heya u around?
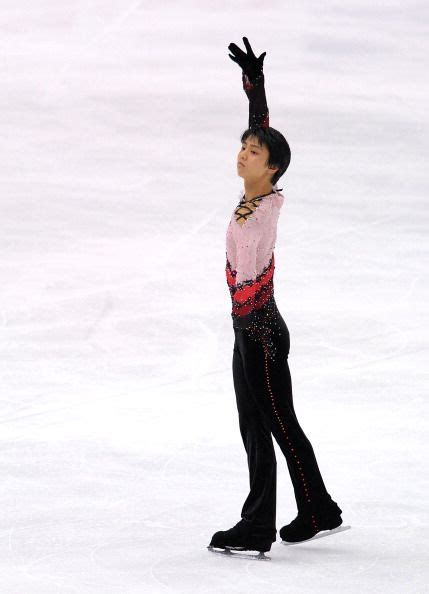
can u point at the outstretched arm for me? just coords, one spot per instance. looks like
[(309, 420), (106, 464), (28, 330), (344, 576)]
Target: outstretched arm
[(253, 83)]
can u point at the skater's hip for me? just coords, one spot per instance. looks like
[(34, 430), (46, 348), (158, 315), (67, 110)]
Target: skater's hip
[(268, 315), (267, 329)]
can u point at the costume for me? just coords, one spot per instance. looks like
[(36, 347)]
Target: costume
[(262, 380), (250, 246), (250, 268)]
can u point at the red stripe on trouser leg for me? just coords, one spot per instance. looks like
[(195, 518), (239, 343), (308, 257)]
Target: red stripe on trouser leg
[(283, 428)]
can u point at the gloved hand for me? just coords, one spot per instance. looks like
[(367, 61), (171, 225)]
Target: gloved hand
[(249, 63)]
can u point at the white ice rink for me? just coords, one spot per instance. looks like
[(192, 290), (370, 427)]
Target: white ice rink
[(120, 447)]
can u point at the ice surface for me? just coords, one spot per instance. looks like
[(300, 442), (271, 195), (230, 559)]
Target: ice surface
[(120, 448)]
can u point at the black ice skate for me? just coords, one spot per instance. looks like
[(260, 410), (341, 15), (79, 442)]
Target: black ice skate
[(302, 529), (242, 537)]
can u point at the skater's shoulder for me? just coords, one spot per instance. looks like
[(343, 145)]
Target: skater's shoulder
[(278, 196)]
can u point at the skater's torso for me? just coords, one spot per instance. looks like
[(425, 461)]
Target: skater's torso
[(250, 243)]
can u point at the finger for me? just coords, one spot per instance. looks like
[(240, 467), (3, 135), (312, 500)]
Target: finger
[(261, 59), (234, 49), (232, 58), (248, 47)]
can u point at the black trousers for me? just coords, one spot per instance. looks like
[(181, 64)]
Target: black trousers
[(263, 388)]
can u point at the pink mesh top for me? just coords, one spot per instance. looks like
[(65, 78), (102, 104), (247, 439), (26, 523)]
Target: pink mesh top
[(250, 259)]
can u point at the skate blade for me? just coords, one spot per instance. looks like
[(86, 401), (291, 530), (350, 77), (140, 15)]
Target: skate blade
[(234, 552), (319, 535)]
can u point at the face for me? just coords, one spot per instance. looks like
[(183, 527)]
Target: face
[(251, 162)]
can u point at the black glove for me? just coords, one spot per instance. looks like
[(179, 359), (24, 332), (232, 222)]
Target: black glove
[(249, 63), (253, 80)]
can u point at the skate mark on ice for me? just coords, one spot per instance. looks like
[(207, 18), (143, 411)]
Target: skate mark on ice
[(114, 24), (345, 230)]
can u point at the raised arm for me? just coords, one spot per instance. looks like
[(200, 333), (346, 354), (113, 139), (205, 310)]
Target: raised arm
[(253, 83)]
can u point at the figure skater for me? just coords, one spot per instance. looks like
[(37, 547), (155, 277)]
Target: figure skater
[(261, 375)]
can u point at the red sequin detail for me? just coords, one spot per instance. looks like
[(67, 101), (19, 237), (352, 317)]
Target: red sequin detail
[(252, 294), (283, 428)]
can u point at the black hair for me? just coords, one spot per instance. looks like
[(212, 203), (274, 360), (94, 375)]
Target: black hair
[(277, 145)]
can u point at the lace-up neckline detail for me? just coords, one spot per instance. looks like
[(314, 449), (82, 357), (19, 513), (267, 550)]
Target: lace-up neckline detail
[(243, 211)]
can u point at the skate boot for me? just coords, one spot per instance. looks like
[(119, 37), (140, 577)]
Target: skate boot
[(303, 528), (244, 536)]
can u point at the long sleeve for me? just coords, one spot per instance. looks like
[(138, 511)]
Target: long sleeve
[(244, 293), (250, 268), (258, 108)]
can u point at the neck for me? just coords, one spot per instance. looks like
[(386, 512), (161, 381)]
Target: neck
[(253, 189)]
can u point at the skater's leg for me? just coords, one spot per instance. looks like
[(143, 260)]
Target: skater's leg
[(310, 490), (270, 382), (260, 505)]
